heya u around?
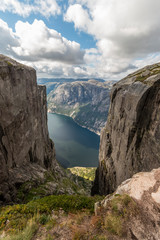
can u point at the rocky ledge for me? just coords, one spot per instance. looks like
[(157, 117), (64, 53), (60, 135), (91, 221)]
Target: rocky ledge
[(133, 211), (130, 141)]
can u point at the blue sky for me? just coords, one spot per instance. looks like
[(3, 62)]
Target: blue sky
[(81, 38)]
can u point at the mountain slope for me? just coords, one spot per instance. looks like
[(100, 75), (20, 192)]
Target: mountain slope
[(87, 102)]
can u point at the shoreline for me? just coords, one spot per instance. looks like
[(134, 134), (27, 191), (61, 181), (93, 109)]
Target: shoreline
[(97, 133)]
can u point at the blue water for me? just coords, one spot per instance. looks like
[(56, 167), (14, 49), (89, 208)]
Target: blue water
[(75, 146)]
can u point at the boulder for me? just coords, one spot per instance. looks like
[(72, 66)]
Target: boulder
[(136, 205)]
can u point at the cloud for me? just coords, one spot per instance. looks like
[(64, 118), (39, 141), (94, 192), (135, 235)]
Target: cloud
[(8, 38), (41, 47), (38, 42), (46, 8), (124, 30), (78, 15)]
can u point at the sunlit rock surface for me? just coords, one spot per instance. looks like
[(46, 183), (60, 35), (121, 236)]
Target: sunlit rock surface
[(136, 202)]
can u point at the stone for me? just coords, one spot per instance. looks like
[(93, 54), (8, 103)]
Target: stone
[(144, 190), (26, 151), (130, 141)]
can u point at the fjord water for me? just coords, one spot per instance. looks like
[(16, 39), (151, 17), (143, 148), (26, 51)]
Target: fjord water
[(75, 145)]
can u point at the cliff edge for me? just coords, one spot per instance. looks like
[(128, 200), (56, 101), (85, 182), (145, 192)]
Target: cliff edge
[(25, 148), (130, 141)]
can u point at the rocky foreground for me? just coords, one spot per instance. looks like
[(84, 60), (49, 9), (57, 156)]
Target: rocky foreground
[(133, 211)]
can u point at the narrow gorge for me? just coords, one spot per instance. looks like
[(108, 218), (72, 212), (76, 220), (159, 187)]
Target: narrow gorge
[(36, 193)]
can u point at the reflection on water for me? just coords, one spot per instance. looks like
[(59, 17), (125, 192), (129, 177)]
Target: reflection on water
[(75, 146)]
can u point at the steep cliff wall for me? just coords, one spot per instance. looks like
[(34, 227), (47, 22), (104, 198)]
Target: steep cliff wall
[(87, 102), (25, 147), (130, 141)]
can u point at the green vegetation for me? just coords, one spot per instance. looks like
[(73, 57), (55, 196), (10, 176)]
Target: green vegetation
[(121, 208), (61, 109), (143, 74), (51, 216), (27, 234), (9, 63), (16, 217), (84, 172), (68, 184)]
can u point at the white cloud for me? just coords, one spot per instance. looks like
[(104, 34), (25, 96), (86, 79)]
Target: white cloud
[(124, 30), (41, 47), (38, 42), (77, 14), (127, 34), (8, 38), (46, 8)]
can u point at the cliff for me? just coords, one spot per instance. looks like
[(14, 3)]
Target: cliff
[(87, 102), (25, 147), (27, 156), (130, 141)]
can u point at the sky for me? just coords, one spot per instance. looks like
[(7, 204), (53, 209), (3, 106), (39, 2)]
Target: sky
[(105, 39)]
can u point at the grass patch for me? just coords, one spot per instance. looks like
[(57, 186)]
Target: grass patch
[(84, 172), (121, 208), (13, 218), (114, 224), (26, 234)]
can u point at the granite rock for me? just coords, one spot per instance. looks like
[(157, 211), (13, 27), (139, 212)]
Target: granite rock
[(130, 141), (26, 151), (140, 212)]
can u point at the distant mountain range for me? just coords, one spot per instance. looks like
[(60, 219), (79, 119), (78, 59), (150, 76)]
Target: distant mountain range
[(52, 83), (86, 101)]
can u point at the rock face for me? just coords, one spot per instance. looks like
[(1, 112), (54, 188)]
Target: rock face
[(130, 141), (87, 102), (139, 213), (25, 148)]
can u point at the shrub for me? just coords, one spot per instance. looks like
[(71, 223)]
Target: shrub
[(15, 217)]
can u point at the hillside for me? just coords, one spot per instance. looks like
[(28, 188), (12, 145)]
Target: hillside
[(53, 83), (87, 102), (86, 173)]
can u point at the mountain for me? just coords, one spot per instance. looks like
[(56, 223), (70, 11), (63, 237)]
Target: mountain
[(130, 141), (50, 201), (27, 155), (87, 102), (52, 83)]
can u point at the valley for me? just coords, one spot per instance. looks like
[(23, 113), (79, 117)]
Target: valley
[(40, 200), (86, 101)]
